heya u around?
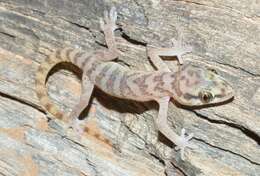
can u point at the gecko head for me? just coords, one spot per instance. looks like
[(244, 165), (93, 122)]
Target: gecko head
[(196, 86)]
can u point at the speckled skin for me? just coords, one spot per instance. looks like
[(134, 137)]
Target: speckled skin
[(190, 85)]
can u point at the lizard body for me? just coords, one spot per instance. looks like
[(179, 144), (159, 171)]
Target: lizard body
[(190, 85)]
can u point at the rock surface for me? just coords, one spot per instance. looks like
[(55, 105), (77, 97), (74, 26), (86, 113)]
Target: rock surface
[(224, 35)]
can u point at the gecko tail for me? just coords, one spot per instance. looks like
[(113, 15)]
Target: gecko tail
[(59, 56)]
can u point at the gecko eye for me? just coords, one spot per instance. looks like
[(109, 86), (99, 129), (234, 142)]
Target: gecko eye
[(205, 96)]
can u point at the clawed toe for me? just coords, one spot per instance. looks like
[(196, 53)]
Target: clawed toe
[(102, 24), (180, 44), (184, 142), (109, 21), (106, 15), (188, 48), (176, 43), (180, 49), (113, 14)]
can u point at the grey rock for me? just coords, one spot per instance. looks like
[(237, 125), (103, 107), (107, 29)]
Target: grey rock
[(224, 35)]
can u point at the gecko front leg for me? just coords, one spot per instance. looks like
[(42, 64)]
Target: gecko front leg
[(181, 141), (178, 50)]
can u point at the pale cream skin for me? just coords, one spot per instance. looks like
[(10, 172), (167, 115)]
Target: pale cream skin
[(190, 86)]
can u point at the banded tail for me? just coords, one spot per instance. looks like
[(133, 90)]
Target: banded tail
[(74, 56)]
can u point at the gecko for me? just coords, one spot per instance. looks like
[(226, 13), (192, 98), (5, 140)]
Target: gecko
[(190, 86)]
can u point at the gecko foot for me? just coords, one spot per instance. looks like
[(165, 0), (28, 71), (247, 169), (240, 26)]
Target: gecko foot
[(180, 49), (183, 142), (109, 21)]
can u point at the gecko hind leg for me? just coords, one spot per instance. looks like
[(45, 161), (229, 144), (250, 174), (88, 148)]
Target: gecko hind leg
[(87, 89)]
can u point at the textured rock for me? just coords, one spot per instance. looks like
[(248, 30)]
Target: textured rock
[(224, 35)]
